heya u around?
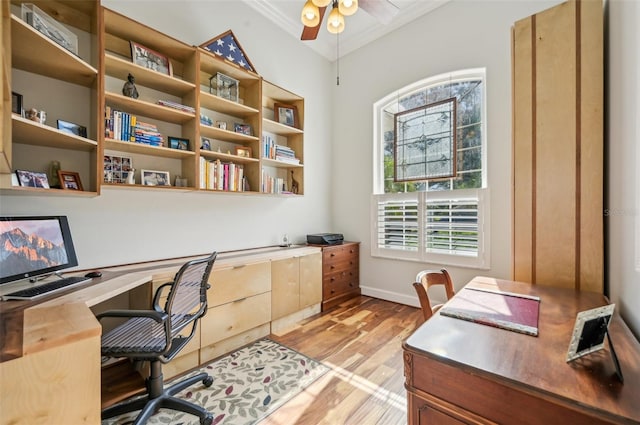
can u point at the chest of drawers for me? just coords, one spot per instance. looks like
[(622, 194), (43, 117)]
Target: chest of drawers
[(340, 273)]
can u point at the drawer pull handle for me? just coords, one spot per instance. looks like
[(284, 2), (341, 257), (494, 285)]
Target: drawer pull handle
[(332, 254), (240, 266), (332, 279)]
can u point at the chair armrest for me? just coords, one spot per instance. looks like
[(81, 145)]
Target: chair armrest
[(158, 294), (158, 316)]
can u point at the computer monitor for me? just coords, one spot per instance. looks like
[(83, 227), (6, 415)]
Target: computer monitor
[(34, 246)]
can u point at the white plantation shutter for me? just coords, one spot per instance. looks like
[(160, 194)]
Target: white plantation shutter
[(398, 223), (445, 227), (451, 226)]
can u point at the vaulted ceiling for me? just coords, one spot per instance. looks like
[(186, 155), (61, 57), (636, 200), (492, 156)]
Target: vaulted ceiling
[(360, 29)]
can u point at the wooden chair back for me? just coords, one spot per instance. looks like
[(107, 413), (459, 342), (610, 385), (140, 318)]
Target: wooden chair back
[(426, 279)]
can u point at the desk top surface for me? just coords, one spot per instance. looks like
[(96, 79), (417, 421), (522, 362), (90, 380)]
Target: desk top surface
[(538, 364), (30, 326)]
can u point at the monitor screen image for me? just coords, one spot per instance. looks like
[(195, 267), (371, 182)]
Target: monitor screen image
[(33, 246)]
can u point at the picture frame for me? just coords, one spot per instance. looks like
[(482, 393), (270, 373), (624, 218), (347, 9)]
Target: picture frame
[(32, 179), (155, 178), (224, 86), (178, 143), (49, 27), (150, 59), (243, 151), (589, 331), (69, 180), (206, 144), (16, 104), (221, 125), (116, 169), (242, 129), (72, 128), (286, 114)]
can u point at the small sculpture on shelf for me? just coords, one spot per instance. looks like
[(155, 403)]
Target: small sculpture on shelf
[(131, 177), (294, 184), (129, 89)]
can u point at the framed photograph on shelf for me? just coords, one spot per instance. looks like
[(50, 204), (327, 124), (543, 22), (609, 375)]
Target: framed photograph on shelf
[(155, 178), (71, 128), (32, 179), (221, 125), (224, 86), (242, 128), (16, 104), (116, 168), (206, 144), (178, 143), (243, 151), (69, 180), (286, 114), (150, 59)]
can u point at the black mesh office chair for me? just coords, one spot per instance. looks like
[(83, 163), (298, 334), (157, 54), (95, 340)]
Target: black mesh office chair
[(154, 336)]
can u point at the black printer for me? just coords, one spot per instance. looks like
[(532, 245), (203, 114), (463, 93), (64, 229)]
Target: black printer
[(325, 239)]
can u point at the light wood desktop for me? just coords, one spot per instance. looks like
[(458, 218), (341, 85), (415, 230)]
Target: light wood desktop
[(458, 371), (50, 350)]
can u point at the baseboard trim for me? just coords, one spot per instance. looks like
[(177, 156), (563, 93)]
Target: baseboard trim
[(390, 296)]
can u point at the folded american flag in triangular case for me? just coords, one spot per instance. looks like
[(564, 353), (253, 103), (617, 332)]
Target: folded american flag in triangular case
[(226, 46)]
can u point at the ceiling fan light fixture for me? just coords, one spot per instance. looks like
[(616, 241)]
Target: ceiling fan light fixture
[(310, 14), (335, 24), (321, 3), (348, 7)]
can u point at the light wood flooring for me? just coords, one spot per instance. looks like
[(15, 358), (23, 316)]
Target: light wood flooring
[(361, 341)]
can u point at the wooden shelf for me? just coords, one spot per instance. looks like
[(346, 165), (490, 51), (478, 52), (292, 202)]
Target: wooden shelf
[(148, 109), (213, 102), (32, 133), (225, 135), (280, 164), (31, 51), (228, 157), (38, 191), (277, 128), (141, 148), (120, 186), (120, 68)]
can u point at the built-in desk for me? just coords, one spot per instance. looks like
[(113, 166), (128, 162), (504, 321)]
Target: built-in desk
[(461, 372), (50, 349)]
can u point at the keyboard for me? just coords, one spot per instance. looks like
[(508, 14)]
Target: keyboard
[(46, 289)]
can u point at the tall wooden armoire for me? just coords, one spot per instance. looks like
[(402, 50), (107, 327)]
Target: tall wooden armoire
[(557, 65)]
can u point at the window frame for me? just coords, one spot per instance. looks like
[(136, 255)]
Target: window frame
[(481, 194)]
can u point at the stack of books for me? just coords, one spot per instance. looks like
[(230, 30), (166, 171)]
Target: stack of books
[(285, 154), (178, 106), (147, 133)]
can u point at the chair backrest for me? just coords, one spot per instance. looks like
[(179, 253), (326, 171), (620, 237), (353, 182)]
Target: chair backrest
[(187, 300), (426, 279)]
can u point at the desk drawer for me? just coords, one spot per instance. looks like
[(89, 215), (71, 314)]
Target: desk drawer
[(489, 398), (233, 318), (239, 282)]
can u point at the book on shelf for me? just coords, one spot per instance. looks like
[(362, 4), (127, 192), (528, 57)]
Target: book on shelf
[(218, 175), (126, 127), (178, 106)]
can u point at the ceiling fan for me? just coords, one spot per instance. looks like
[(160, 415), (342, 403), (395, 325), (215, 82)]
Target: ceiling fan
[(313, 12)]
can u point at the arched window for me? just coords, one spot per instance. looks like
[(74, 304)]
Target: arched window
[(430, 197)]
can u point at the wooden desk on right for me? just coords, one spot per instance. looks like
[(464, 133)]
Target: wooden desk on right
[(460, 372)]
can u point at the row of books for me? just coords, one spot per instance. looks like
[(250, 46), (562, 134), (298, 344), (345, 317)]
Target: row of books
[(272, 150), (272, 184), (218, 175), (125, 127)]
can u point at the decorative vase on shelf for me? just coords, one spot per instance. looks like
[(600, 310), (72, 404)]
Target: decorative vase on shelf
[(54, 167), (130, 177)]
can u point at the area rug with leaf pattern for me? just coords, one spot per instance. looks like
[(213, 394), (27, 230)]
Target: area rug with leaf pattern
[(248, 384)]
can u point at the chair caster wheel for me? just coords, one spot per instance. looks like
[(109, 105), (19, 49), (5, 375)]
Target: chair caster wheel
[(208, 381), (207, 420)]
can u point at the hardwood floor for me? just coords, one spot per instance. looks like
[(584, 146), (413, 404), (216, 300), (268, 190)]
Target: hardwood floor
[(361, 340)]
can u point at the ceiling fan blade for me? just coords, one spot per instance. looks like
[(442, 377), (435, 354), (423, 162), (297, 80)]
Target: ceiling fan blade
[(310, 33), (382, 10)]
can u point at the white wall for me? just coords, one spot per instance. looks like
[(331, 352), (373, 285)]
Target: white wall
[(622, 213), (458, 35), (123, 226)]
